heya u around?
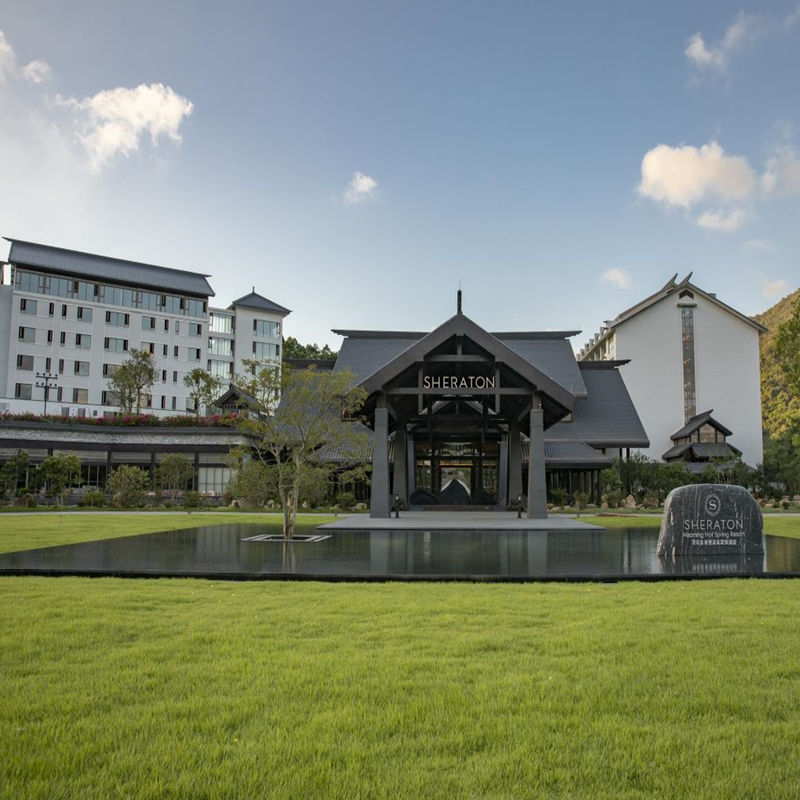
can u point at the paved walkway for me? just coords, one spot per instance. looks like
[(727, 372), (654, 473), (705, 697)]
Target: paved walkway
[(458, 521)]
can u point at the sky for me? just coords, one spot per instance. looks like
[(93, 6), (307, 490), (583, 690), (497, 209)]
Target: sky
[(358, 161)]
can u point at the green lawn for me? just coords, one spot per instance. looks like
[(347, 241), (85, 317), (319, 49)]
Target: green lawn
[(201, 689)]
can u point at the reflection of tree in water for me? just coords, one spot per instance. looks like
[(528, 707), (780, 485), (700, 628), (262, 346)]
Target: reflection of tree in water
[(288, 559)]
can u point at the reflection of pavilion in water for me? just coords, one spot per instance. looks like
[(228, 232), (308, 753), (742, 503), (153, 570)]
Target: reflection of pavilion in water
[(220, 551)]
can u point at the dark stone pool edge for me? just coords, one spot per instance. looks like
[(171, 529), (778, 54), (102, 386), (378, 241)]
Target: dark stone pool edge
[(392, 578)]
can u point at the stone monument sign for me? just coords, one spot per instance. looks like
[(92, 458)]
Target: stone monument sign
[(711, 519)]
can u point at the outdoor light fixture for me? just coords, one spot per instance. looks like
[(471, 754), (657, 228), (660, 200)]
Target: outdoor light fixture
[(397, 506), (519, 507)]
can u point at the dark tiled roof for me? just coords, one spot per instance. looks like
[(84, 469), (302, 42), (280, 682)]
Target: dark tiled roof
[(606, 418), (702, 451), (103, 268), (554, 357), (696, 422), (364, 357), (572, 455), (255, 300), (365, 352)]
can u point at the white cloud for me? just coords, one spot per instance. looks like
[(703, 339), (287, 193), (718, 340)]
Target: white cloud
[(724, 221), (8, 59), (759, 244), (361, 187), (115, 120), (681, 176), (716, 57), (36, 72), (782, 174), (773, 288), (618, 277)]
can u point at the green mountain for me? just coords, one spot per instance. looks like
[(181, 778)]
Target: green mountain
[(778, 405)]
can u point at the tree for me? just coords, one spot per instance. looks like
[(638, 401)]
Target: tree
[(128, 485), (14, 475), (252, 483), (301, 415), (133, 380), (204, 388), (787, 354), (174, 472), (293, 349), (60, 473)]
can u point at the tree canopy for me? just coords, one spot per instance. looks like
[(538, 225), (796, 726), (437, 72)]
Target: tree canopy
[(293, 349), (133, 380)]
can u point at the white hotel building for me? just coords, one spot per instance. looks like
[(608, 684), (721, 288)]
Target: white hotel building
[(694, 373), (76, 316)]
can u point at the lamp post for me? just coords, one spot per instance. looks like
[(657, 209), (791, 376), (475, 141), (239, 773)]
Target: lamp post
[(46, 379)]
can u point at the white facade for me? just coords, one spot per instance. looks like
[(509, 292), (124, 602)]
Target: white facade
[(81, 341), (726, 366)]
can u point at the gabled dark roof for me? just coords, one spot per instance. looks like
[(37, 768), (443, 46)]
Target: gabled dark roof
[(255, 300), (702, 451), (236, 396), (104, 268), (696, 422), (462, 325), (569, 455), (606, 418), (365, 352)]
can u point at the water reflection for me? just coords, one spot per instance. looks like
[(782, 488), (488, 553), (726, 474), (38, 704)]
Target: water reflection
[(219, 550)]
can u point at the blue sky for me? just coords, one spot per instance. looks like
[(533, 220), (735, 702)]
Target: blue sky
[(355, 161)]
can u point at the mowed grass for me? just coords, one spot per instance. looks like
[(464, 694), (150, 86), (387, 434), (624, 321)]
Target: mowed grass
[(31, 531), (184, 688)]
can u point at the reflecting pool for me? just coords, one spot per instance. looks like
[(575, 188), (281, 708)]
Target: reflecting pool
[(230, 551)]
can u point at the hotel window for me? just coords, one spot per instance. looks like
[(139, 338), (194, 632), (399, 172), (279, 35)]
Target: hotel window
[(219, 369), (60, 396), (175, 376), (166, 350), (82, 368), (110, 398), (176, 351), (149, 347), (148, 323), (83, 341), (687, 343), (195, 329), (64, 311), (174, 403), (220, 347), (23, 391), (193, 353), (116, 345), (28, 306), (63, 337), (118, 319), (49, 337), (163, 401), (27, 335), (80, 395), (51, 310), (265, 351), (84, 314), (109, 369), (25, 362), (163, 376), (166, 324), (48, 362), (221, 323), (60, 366), (267, 329)]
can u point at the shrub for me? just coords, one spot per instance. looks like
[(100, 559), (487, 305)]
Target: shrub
[(559, 497), (92, 499), (651, 500), (128, 485), (580, 500), (614, 498), (346, 500), (192, 500)]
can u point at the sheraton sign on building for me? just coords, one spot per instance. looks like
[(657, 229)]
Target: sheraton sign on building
[(458, 382)]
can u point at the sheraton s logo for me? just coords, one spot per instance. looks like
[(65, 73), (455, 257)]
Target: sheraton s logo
[(713, 504)]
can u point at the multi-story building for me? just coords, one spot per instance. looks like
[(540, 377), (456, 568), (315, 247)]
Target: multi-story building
[(690, 355), (76, 316)]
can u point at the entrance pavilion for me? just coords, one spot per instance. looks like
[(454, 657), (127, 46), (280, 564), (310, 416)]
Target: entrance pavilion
[(455, 406)]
